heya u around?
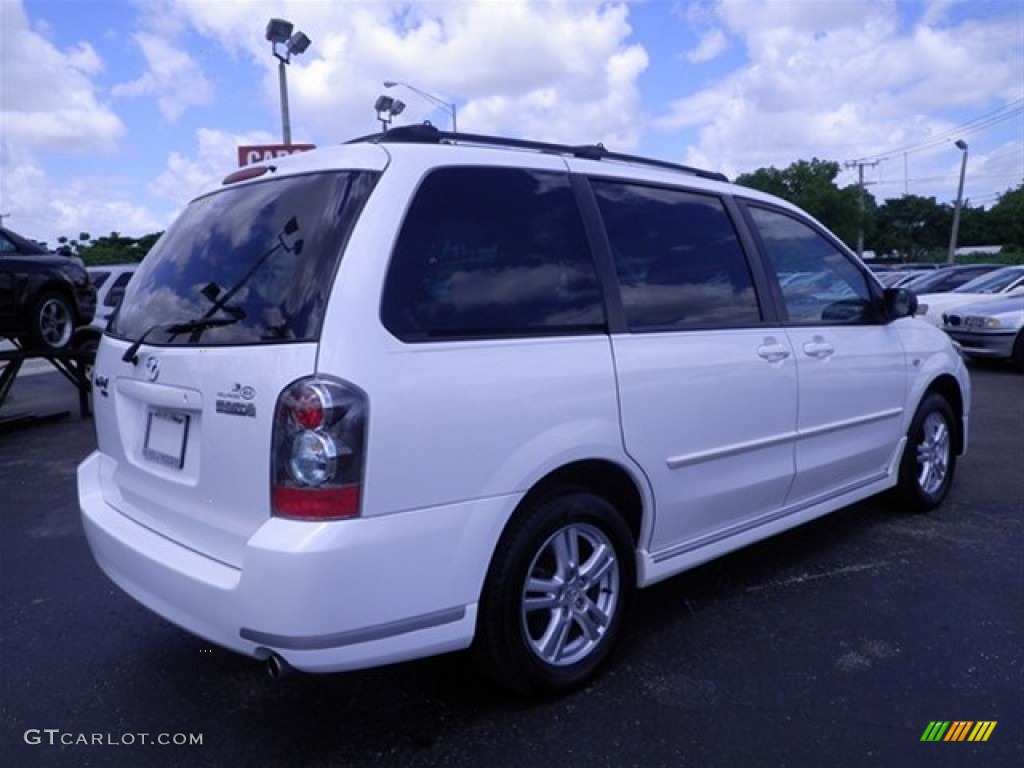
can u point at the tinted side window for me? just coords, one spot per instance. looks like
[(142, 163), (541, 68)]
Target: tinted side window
[(491, 252), (819, 283), (954, 279), (678, 259)]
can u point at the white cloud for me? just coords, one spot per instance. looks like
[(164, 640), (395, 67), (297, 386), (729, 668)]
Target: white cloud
[(556, 66), (172, 76), (47, 99), (45, 210), (186, 177), (841, 80), (711, 45)]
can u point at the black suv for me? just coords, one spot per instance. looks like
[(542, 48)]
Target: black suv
[(44, 297)]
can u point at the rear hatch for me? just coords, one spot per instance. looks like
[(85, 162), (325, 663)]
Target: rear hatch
[(222, 315)]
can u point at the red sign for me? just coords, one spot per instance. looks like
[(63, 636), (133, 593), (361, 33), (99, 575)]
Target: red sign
[(261, 153)]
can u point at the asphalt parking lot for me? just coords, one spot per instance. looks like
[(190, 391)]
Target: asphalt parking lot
[(833, 645)]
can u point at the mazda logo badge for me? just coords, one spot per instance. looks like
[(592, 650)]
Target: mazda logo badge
[(152, 368)]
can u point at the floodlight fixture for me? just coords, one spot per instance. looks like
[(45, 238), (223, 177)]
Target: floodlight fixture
[(437, 101), (298, 43), (279, 30), (387, 109)]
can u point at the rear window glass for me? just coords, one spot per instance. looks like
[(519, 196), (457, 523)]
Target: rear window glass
[(248, 265)]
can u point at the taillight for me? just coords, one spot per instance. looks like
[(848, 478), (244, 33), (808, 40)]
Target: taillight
[(318, 450)]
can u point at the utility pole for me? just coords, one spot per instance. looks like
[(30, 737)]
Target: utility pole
[(2, 217), (859, 164)]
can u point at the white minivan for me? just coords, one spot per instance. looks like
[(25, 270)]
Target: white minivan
[(425, 391)]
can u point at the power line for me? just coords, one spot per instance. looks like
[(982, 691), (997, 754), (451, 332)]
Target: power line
[(980, 123), (946, 177)]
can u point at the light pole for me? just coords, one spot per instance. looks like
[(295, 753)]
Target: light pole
[(961, 145), (437, 101), (279, 32)]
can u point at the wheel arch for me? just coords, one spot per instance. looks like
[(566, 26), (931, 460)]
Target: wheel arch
[(948, 387), (607, 479), (61, 288)]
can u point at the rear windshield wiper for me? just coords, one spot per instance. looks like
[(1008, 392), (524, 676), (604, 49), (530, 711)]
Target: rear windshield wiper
[(131, 355)]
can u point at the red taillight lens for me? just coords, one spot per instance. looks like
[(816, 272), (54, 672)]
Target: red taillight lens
[(313, 504), (308, 408), (318, 450)]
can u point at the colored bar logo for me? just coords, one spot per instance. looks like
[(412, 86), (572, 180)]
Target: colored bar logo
[(958, 730)]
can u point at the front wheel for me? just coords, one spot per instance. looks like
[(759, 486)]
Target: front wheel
[(929, 459), (1017, 356), (555, 594)]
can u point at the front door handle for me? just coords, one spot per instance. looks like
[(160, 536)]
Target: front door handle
[(819, 348)]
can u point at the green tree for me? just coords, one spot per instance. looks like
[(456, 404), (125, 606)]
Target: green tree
[(811, 185), (976, 227), (911, 226), (1007, 219), (114, 248)]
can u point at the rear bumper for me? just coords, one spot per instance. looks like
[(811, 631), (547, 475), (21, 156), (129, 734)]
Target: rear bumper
[(326, 597)]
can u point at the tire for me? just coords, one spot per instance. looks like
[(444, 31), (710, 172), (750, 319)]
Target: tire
[(87, 348), (1017, 356), (52, 323), (556, 593), (929, 459)]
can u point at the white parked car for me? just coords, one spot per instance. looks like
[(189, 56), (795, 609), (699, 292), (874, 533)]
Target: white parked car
[(1008, 281), (425, 390), (110, 281)]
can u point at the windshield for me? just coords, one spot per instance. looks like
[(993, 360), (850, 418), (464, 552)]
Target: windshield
[(246, 265), (994, 282)]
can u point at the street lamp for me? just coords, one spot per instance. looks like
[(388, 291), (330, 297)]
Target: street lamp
[(961, 145), (447, 106), (387, 109), (279, 33)]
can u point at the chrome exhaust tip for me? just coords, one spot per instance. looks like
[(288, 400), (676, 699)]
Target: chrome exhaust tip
[(277, 667)]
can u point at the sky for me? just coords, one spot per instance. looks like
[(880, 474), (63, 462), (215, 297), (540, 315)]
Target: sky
[(115, 113)]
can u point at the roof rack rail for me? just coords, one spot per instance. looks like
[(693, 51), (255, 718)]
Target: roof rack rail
[(426, 133)]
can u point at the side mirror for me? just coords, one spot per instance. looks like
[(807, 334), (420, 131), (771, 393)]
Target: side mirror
[(899, 302)]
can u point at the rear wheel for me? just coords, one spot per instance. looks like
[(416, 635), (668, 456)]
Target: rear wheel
[(556, 593), (929, 460), (52, 323)]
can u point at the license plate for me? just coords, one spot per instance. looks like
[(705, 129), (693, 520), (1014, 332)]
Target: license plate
[(166, 433)]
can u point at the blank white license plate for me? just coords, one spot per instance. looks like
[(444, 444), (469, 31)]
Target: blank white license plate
[(166, 434)]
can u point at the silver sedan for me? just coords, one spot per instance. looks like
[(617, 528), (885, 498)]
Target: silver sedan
[(989, 329)]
